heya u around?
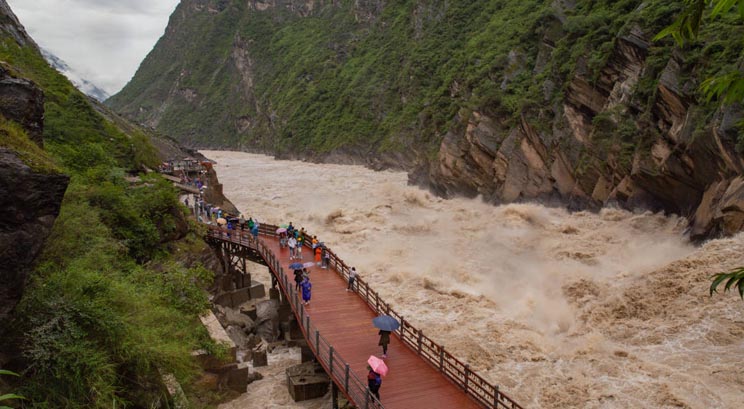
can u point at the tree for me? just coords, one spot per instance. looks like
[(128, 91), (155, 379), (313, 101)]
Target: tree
[(735, 280), (730, 86)]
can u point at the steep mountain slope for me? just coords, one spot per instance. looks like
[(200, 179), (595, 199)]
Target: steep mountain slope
[(94, 306), (87, 87), (553, 100)]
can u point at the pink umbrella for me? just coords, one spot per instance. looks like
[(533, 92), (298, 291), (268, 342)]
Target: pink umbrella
[(280, 230), (377, 365), (308, 264)]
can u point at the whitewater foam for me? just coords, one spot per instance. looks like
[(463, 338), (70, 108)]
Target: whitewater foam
[(561, 309)]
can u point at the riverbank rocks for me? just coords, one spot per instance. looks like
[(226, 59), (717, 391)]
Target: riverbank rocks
[(593, 148), (267, 319)]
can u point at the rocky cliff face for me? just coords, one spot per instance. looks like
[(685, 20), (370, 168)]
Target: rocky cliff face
[(30, 205), (680, 168), (9, 24), (561, 101), (30, 201), (22, 102)]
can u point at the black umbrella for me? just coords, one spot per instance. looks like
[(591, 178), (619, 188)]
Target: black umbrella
[(386, 323)]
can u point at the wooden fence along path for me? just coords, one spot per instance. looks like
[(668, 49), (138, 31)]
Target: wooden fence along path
[(338, 328)]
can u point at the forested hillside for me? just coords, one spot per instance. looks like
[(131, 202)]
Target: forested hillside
[(95, 308), (512, 100)]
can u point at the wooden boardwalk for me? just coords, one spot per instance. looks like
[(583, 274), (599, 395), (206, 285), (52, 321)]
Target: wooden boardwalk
[(338, 327), (177, 183)]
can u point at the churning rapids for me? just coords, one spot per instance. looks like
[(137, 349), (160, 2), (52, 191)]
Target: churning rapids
[(562, 310)]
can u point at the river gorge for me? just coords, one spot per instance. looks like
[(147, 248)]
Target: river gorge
[(562, 310)]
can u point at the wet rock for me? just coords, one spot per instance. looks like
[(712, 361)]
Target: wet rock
[(702, 222), (238, 336), (267, 319), (260, 357), (9, 24), (30, 203), (266, 310), (22, 101), (731, 208), (233, 317)]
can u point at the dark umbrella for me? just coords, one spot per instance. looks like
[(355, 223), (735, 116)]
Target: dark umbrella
[(296, 266), (386, 323)]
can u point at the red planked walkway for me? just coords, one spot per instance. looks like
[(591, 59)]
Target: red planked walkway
[(345, 320)]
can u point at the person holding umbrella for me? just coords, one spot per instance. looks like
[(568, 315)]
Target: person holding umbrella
[(377, 369), (386, 324), (298, 279), (384, 341), (297, 267)]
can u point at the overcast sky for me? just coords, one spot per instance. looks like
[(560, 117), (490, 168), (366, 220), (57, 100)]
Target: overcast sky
[(103, 40)]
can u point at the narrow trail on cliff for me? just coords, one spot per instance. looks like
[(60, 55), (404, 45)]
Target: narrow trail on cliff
[(561, 309)]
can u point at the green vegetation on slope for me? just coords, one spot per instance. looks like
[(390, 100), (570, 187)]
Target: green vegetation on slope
[(15, 138), (108, 310), (368, 80)]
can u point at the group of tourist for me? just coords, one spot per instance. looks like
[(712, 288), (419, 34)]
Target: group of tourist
[(184, 168), (207, 213), (294, 239)]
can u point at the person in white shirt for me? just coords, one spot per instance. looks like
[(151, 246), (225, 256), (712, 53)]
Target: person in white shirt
[(352, 278), (292, 243)]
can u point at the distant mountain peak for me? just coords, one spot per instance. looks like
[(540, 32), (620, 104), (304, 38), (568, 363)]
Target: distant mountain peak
[(75, 77)]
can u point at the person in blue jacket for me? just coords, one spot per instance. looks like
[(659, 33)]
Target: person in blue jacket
[(374, 381), (306, 290)]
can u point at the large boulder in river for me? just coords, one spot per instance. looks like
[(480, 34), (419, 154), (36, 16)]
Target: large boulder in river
[(267, 319)]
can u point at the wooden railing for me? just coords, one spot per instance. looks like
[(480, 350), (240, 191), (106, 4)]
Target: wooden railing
[(335, 365), (459, 372), (183, 168)]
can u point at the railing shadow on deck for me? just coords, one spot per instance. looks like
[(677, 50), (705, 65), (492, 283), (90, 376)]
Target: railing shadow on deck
[(458, 372)]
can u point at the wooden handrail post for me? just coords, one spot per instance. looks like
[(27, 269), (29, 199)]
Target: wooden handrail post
[(235, 242), (346, 379), (330, 360), (467, 376)]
